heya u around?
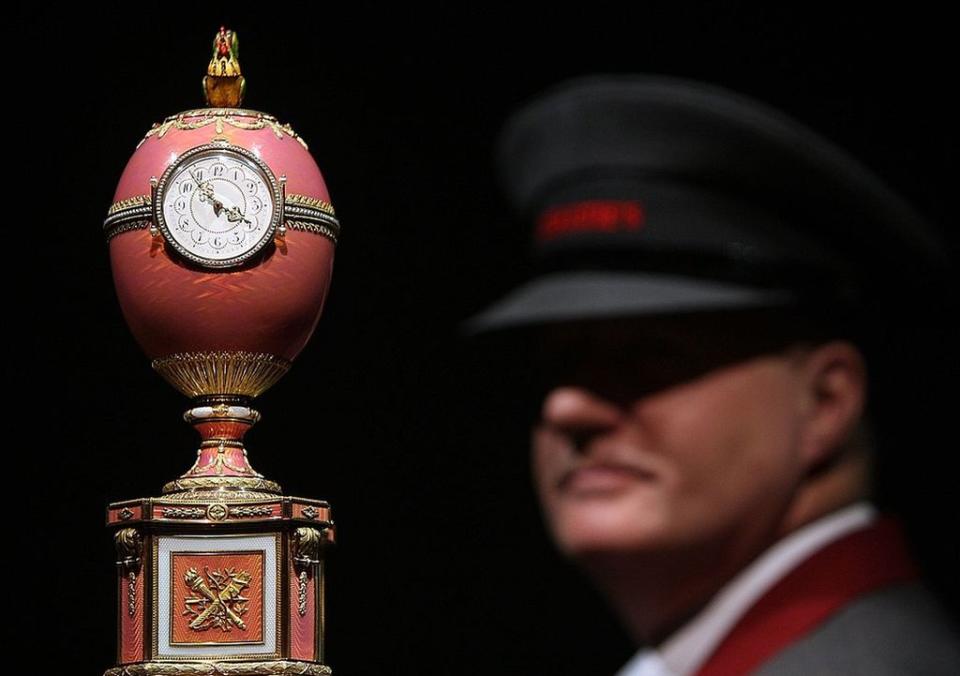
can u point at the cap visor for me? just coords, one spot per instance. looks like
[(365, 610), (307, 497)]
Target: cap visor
[(572, 296)]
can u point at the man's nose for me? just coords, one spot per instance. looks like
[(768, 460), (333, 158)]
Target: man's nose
[(578, 410)]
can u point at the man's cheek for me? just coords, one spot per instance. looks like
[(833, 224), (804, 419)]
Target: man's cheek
[(703, 475)]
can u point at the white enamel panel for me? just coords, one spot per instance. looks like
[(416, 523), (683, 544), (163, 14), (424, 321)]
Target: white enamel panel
[(268, 544)]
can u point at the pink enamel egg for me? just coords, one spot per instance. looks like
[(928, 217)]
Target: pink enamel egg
[(222, 237)]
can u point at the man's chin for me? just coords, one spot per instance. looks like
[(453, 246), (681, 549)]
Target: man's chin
[(583, 527)]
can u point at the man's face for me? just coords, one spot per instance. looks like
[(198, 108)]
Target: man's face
[(667, 435)]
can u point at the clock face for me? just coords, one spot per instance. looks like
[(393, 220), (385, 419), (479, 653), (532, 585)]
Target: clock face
[(218, 205)]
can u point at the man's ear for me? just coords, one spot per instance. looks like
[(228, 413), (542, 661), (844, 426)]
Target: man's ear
[(834, 379)]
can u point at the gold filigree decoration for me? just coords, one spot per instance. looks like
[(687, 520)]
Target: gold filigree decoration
[(221, 409), (235, 483), (219, 601), (310, 512), (183, 513), (129, 203), (129, 544), (302, 593), (218, 494), (125, 514), (293, 199), (308, 214), (306, 546), (248, 511), (219, 462), (132, 213), (313, 202), (306, 554), (197, 374), (315, 228), (217, 512), (131, 593), (127, 226), (247, 120), (311, 215), (273, 668)]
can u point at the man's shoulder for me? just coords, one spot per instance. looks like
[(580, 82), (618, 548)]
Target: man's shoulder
[(897, 630)]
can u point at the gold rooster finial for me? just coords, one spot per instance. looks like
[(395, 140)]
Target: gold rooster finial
[(223, 85)]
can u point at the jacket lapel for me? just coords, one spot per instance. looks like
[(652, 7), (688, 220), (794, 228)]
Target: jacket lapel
[(862, 561)]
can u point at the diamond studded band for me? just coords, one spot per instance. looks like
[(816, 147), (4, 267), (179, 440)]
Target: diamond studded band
[(300, 213)]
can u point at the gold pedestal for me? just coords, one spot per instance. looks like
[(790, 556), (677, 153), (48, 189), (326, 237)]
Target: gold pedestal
[(221, 275)]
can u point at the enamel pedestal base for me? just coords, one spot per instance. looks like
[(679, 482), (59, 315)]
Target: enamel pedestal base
[(220, 583), (221, 669)]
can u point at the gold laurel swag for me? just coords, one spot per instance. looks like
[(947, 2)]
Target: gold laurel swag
[(218, 117)]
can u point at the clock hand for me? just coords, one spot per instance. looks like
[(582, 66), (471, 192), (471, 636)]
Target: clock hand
[(207, 191), (210, 195), (202, 186), (233, 211), (234, 215)]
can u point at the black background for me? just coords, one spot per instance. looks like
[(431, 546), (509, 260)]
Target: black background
[(443, 566)]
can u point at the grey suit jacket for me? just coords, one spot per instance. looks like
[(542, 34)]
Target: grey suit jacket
[(893, 631)]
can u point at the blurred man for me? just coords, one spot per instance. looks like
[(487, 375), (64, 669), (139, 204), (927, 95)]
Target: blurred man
[(711, 271)]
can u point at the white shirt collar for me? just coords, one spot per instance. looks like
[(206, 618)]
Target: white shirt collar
[(685, 651)]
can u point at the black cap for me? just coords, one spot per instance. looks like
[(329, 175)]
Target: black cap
[(652, 194)]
